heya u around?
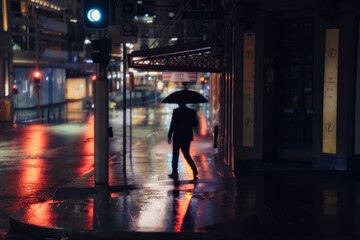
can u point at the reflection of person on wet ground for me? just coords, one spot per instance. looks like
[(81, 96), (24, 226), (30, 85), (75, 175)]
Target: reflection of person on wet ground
[(216, 122), (181, 134)]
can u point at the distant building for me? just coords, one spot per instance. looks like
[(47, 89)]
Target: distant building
[(290, 89), (5, 64), (47, 35)]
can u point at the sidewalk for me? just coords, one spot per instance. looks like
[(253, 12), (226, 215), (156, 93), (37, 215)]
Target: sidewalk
[(144, 204)]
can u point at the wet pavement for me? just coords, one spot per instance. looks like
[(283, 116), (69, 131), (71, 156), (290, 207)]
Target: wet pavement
[(144, 199), (37, 156), (270, 201)]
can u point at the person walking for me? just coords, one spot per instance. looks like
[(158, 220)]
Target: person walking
[(216, 122), (181, 134)]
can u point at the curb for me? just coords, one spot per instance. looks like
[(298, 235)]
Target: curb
[(19, 228), (40, 232)]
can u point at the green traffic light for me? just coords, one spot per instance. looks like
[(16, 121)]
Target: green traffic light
[(94, 15)]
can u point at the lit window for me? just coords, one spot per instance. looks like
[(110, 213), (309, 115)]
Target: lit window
[(6, 77), (4, 14)]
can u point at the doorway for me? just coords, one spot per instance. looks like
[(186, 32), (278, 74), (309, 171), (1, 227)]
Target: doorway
[(294, 89)]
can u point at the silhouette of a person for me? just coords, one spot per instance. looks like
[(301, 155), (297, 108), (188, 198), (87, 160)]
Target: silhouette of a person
[(216, 121), (181, 134)]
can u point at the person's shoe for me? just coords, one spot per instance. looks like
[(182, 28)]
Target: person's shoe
[(174, 176)]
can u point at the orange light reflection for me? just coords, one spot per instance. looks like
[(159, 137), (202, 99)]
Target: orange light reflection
[(203, 125), (205, 168), (186, 167), (35, 140), (43, 215), (31, 178), (87, 162), (181, 205)]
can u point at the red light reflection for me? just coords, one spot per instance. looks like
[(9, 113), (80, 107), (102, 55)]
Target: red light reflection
[(31, 178), (52, 214), (43, 215), (87, 162), (181, 205), (35, 140)]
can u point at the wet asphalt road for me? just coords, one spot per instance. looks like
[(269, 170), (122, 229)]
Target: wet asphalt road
[(276, 201), (38, 157)]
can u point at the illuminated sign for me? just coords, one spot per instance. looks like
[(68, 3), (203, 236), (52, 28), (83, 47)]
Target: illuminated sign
[(330, 90), (179, 76)]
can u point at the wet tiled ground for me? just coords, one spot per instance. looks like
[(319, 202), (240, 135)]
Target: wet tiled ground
[(146, 199)]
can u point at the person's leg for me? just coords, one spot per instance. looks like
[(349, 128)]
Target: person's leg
[(175, 159), (185, 148), (216, 134)]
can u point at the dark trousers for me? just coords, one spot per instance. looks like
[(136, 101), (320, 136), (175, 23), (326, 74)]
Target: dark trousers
[(185, 149), (216, 134)]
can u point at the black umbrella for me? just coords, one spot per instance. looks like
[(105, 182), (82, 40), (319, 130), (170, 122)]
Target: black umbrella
[(184, 96)]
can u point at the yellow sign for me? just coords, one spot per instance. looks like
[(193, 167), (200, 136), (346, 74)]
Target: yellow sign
[(330, 90)]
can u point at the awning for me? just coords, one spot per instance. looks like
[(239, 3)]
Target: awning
[(194, 57)]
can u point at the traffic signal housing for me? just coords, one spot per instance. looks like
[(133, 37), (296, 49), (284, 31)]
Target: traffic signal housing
[(102, 48), (96, 13), (37, 76), (128, 8)]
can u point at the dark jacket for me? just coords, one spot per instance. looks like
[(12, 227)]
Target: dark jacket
[(182, 122)]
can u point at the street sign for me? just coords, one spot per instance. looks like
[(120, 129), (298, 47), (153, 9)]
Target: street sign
[(199, 15), (180, 76), (102, 48)]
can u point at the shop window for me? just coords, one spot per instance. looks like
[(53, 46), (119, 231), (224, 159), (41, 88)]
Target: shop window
[(6, 77)]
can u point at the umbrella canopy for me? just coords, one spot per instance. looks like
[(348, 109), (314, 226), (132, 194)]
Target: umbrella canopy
[(184, 96)]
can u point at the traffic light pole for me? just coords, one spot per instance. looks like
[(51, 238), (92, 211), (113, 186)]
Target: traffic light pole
[(37, 85), (101, 127), (124, 108)]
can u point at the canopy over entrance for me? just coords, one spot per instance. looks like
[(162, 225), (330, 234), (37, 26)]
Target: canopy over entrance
[(195, 56)]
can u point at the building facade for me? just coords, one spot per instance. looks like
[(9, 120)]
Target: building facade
[(5, 64), (290, 86), (46, 36)]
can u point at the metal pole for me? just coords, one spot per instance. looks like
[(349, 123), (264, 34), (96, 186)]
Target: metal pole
[(36, 39), (124, 107), (37, 61), (131, 95), (101, 126), (155, 116)]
